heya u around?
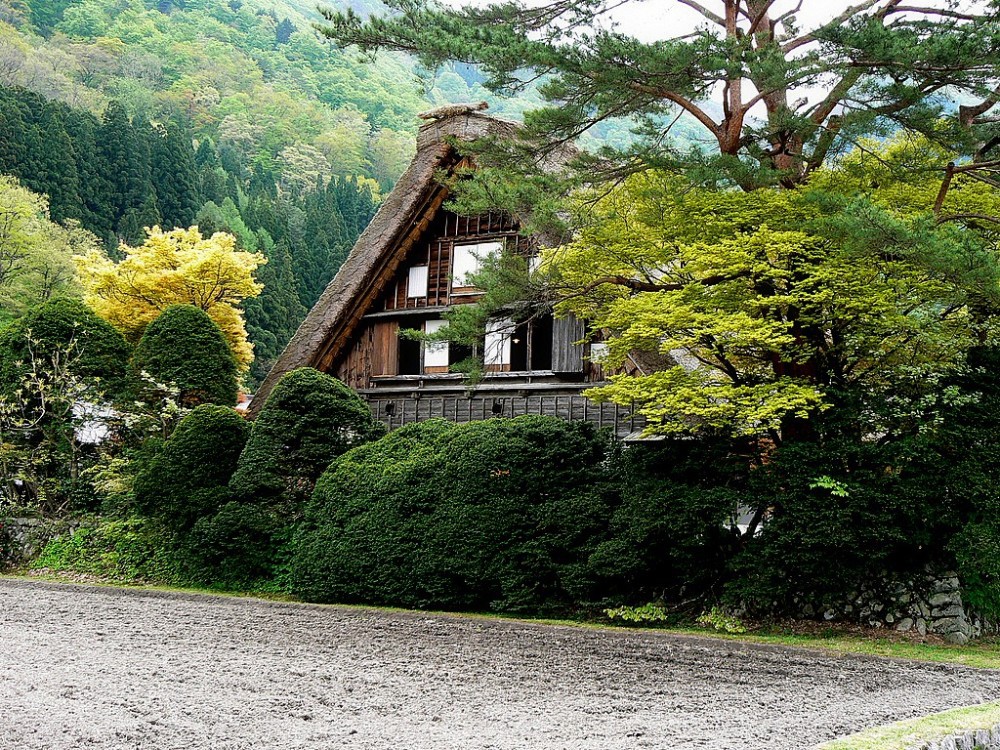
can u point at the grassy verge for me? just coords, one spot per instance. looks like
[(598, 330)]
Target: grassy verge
[(906, 734), (984, 654)]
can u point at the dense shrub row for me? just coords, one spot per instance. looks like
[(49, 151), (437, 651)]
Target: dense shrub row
[(528, 515), (501, 514)]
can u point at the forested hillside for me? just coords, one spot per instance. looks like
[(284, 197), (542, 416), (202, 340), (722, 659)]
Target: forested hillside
[(232, 116), (235, 116)]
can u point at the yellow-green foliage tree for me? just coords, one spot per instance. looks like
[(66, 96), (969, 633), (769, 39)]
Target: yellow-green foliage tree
[(179, 267), (750, 311), (35, 253)]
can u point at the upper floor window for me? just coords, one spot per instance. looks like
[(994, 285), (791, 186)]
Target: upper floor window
[(416, 284), (467, 261)]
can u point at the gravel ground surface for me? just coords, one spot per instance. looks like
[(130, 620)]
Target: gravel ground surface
[(101, 668)]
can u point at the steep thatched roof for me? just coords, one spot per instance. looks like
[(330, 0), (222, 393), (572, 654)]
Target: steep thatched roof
[(374, 260)]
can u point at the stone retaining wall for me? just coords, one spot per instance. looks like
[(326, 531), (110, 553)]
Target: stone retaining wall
[(931, 604), (22, 538), (981, 739)]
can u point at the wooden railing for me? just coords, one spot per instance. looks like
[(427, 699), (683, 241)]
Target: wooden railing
[(396, 411)]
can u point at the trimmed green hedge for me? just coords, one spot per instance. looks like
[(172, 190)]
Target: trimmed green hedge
[(185, 347), (308, 420), (500, 515), (188, 478)]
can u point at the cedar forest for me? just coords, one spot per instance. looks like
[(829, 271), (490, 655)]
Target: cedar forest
[(785, 236)]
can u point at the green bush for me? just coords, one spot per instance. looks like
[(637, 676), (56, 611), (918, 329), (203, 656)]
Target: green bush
[(185, 347), (968, 445), (239, 547), (308, 420), (672, 535), (99, 356), (500, 514), (843, 515), (124, 550), (188, 477)]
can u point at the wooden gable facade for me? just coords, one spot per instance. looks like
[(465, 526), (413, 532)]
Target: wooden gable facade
[(406, 270)]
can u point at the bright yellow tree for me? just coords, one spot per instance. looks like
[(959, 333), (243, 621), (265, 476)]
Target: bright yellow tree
[(176, 267)]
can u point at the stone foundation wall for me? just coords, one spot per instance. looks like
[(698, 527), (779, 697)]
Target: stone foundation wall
[(22, 538), (981, 739), (932, 604)]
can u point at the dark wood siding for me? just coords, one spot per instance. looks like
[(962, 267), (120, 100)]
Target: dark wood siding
[(385, 348), (567, 354), (435, 250)]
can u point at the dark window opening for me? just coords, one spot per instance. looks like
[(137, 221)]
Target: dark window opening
[(409, 352), (541, 343), (458, 353)]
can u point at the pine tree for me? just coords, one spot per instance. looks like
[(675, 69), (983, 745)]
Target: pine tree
[(125, 152), (175, 177), (776, 98)]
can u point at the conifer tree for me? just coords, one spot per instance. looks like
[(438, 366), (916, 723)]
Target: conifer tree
[(56, 174), (95, 210), (174, 175), (125, 153), (211, 176)]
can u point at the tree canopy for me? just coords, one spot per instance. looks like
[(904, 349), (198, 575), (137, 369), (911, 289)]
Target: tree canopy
[(36, 254), (750, 307), (179, 267), (775, 98)]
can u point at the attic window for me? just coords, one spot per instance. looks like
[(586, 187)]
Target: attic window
[(416, 285), (467, 260)]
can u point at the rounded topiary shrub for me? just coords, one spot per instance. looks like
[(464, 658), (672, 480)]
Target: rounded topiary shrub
[(188, 478), (500, 514), (185, 347), (308, 420), (71, 331), (239, 547)]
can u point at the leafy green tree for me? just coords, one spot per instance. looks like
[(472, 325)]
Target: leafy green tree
[(100, 353), (45, 14), (59, 366), (284, 31), (36, 255), (56, 166), (185, 347), (755, 310)]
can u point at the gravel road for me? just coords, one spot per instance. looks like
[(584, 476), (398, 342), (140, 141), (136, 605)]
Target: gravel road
[(103, 669)]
